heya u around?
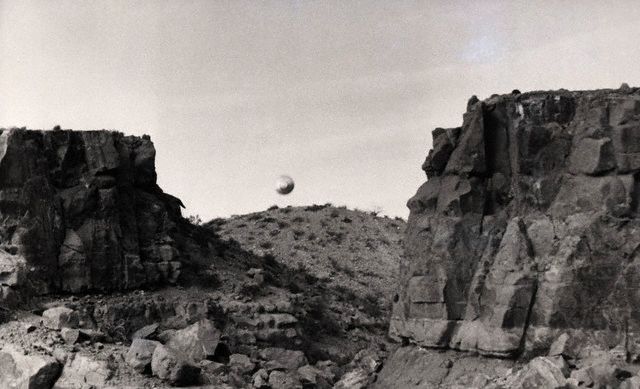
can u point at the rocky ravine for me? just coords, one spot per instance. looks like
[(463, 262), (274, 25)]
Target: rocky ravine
[(524, 242), (105, 285)]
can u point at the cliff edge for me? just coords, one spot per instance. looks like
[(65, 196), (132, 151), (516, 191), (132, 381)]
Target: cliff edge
[(527, 227), (81, 211)]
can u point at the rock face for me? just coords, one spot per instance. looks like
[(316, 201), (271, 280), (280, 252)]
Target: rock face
[(26, 371), (527, 227), (81, 211)]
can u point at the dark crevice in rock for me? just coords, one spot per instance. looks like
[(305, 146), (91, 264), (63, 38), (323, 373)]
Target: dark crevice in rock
[(527, 322)]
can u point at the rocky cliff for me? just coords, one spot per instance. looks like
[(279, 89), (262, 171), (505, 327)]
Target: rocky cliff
[(82, 211), (527, 227)]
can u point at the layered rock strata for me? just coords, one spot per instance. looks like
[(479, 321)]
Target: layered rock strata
[(527, 227), (82, 211)]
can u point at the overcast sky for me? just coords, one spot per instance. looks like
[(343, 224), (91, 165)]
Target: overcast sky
[(340, 95)]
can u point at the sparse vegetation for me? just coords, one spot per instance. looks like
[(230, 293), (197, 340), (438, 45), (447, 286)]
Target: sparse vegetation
[(316, 207), (195, 220), (266, 245), (283, 224), (350, 252)]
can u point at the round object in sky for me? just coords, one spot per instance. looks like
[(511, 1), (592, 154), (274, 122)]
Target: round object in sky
[(284, 185)]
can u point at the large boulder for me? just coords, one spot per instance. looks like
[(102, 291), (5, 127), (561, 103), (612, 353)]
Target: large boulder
[(283, 358), (173, 366), (541, 372), (199, 341), (18, 371), (82, 371), (140, 354), (61, 317)]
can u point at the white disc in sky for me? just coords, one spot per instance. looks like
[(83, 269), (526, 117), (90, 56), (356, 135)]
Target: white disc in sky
[(284, 185)]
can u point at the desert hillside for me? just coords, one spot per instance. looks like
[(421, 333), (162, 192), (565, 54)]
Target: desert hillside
[(345, 248)]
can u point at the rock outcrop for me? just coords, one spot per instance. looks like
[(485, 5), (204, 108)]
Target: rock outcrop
[(527, 227), (81, 211)]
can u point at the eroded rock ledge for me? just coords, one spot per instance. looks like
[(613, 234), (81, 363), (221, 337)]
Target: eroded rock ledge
[(82, 211), (528, 227)]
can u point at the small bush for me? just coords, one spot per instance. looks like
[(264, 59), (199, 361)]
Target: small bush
[(346, 294), (321, 318), (283, 224), (371, 306), (266, 245), (316, 207), (336, 237), (273, 208), (195, 220), (341, 268)]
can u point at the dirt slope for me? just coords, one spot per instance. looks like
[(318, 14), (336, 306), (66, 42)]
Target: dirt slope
[(346, 248)]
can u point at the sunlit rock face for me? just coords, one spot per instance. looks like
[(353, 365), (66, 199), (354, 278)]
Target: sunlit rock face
[(527, 226), (81, 211)]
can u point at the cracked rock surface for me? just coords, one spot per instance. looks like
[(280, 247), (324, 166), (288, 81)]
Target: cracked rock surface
[(527, 226), (81, 211)]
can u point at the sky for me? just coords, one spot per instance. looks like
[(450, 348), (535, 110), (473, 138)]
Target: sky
[(340, 95)]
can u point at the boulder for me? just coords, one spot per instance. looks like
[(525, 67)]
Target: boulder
[(140, 354), (631, 383), (61, 317), (81, 371), (12, 269), (282, 380), (260, 379), (311, 376), (147, 332), (173, 366), (601, 371), (279, 358), (540, 372), (18, 370), (355, 379), (200, 341), (241, 363)]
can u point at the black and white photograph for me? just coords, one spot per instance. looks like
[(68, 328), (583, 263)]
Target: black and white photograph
[(317, 194)]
